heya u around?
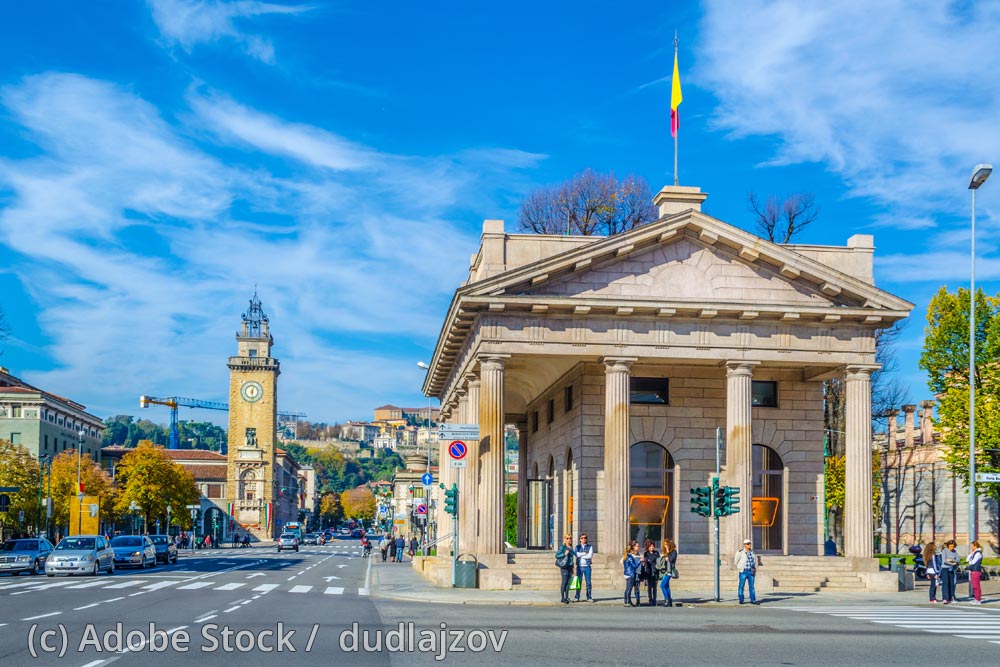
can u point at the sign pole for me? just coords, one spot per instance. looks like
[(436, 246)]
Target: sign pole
[(454, 533), (715, 515)]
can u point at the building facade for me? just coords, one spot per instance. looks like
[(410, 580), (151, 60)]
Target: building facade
[(621, 359)]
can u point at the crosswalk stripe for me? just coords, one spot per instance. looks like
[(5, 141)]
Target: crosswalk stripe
[(160, 584), (264, 588), (962, 623), (18, 585), (195, 586), (300, 589), (89, 584), (333, 590), (228, 587), (41, 587), (127, 584)]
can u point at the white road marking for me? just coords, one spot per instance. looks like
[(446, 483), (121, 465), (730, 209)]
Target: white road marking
[(264, 588), (206, 618), (228, 587), (160, 584), (41, 587), (34, 618), (195, 586), (126, 584), (333, 590), (300, 589), (112, 600), (89, 584), (86, 606), (231, 609)]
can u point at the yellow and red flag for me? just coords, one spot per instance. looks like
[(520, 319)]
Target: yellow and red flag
[(675, 100)]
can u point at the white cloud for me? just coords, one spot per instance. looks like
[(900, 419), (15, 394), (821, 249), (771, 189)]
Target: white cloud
[(187, 23), (140, 256), (898, 98)]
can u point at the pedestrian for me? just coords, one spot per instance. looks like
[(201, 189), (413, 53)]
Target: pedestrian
[(934, 565), (400, 544), (631, 564), (414, 545), (746, 562), (246, 540), (975, 563), (649, 574), (566, 562), (949, 571), (829, 547), (667, 568), (383, 546), (584, 555), (236, 539)]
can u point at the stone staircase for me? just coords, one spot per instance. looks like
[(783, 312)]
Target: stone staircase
[(537, 571)]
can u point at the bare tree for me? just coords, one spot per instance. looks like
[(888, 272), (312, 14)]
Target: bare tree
[(780, 220), (588, 204), (4, 328)]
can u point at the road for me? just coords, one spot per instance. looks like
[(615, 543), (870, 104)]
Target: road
[(315, 598)]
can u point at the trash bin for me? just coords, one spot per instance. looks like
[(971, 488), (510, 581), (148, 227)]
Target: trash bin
[(905, 578), (466, 571)]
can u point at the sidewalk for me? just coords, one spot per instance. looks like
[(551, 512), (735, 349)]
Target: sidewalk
[(395, 581)]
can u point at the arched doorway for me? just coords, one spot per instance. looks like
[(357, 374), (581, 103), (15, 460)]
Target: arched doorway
[(569, 484), (212, 524), (768, 500), (651, 487), (552, 503)]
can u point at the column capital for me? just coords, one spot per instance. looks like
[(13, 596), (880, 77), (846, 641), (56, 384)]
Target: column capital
[(492, 361), (739, 367), (860, 371), (470, 379), (927, 404), (618, 364)]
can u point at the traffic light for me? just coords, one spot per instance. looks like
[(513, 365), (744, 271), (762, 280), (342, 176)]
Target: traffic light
[(701, 500), (451, 500), (727, 500)]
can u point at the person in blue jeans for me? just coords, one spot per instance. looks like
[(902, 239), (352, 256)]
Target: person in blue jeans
[(584, 555), (632, 564), (400, 544), (746, 564), (669, 557)]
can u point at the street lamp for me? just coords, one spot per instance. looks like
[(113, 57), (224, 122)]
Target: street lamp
[(79, 488), (426, 367), (979, 175)]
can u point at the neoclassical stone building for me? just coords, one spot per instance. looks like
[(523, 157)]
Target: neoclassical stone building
[(620, 357)]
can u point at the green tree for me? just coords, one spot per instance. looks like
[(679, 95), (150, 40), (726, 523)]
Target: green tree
[(510, 517), (153, 482), (95, 480), (19, 468), (330, 511), (946, 338)]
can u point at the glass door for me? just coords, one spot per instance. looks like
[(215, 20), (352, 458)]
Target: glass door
[(539, 501)]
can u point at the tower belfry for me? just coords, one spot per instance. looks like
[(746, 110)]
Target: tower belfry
[(253, 413)]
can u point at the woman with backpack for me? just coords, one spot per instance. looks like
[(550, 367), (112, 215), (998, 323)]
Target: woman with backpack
[(566, 562), (649, 573), (632, 566), (667, 568), (932, 560)]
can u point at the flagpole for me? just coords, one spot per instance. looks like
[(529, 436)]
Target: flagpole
[(675, 133)]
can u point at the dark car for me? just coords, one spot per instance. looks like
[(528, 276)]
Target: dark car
[(166, 550), (357, 532), (24, 555), (310, 538), (135, 550)]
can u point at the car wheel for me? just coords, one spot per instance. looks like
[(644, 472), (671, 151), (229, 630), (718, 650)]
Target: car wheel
[(49, 574), (34, 567), (97, 568), (153, 564), (111, 567)]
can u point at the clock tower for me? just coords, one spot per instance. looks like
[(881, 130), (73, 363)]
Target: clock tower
[(253, 412)]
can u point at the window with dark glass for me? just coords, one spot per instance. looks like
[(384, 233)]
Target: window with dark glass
[(534, 421), (764, 394), (551, 416), (568, 397), (649, 391)]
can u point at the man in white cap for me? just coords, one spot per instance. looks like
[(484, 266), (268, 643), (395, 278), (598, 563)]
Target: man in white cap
[(746, 565)]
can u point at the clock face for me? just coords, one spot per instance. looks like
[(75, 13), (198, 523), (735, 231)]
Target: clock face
[(251, 391)]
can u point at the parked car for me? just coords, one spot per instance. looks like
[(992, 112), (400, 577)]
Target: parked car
[(24, 555), (357, 532), (166, 550), (310, 538), (288, 541), (135, 550), (81, 554)]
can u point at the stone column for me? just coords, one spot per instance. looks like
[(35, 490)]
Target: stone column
[(491, 450), (908, 425), (739, 450), (927, 423), (615, 531), (892, 430), (468, 477), (522, 486), (858, 525)]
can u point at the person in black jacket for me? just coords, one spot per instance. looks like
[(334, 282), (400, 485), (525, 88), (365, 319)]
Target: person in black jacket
[(649, 573), (566, 560)]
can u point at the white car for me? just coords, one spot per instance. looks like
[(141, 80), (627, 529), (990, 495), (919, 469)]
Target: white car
[(288, 541), (81, 554)]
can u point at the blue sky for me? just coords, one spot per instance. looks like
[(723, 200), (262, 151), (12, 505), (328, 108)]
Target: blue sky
[(158, 159)]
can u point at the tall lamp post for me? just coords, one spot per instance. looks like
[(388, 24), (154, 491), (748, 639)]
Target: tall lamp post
[(427, 499), (979, 175), (79, 488)]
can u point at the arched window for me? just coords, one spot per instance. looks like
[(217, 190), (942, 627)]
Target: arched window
[(651, 487), (768, 500), (249, 485)]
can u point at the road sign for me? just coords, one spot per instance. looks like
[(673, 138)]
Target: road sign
[(458, 431), (988, 476), (421, 509), (457, 450), (427, 479), (458, 464), (193, 507), (10, 489)]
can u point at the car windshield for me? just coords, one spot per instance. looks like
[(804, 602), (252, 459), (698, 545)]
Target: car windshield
[(288, 536), (310, 535), (19, 545), (126, 542), (76, 543), (160, 539)]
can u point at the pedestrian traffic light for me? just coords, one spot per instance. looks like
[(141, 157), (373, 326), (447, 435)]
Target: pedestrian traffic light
[(727, 500), (451, 500), (701, 500)]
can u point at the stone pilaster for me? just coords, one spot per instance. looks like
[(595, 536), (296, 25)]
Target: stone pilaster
[(858, 526), (615, 533), (491, 450), (739, 452), (468, 480)]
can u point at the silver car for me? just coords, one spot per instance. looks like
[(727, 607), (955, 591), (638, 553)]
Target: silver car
[(288, 541), (24, 555), (81, 554), (135, 550)]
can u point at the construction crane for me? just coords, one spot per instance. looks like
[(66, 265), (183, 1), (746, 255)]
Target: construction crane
[(175, 402)]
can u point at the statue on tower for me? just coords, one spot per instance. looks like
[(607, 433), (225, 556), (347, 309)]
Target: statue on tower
[(254, 320)]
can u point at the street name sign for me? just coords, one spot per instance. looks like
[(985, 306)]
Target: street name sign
[(988, 476), (458, 464), (458, 431)]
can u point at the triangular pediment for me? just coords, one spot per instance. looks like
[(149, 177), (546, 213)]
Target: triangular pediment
[(688, 257)]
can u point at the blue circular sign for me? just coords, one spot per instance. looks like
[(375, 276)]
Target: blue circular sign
[(457, 450), (427, 479)]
